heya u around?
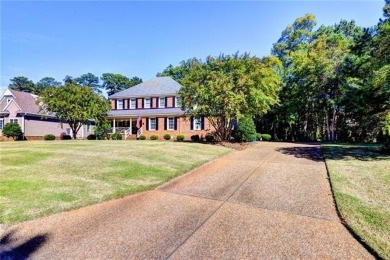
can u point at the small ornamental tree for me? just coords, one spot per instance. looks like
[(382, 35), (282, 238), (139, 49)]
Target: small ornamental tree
[(246, 130), (74, 104), (12, 130)]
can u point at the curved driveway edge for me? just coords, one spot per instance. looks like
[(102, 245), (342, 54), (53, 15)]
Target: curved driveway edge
[(272, 200)]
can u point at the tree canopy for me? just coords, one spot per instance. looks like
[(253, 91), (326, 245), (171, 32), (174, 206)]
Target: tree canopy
[(228, 87), (114, 83), (75, 105)]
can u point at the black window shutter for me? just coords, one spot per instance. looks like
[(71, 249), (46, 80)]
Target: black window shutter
[(143, 103), (147, 123), (136, 103), (202, 123), (115, 104), (175, 120), (156, 123), (165, 123), (128, 103), (166, 102), (192, 123), (174, 102)]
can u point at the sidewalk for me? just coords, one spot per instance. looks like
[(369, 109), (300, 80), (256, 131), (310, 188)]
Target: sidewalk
[(270, 201)]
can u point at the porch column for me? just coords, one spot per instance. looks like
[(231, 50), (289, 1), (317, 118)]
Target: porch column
[(113, 129)]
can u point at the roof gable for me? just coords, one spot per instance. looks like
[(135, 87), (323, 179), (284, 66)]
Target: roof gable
[(154, 87)]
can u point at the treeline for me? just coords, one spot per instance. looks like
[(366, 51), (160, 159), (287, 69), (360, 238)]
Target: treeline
[(335, 82), (110, 82)]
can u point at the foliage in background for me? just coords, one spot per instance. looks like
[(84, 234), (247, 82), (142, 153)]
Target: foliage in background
[(114, 83), (74, 104), (336, 82), (12, 130)]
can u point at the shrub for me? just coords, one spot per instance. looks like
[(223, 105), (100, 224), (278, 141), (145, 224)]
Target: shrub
[(246, 130), (195, 138), (116, 136), (180, 137), (142, 137), (64, 136), (49, 137), (153, 137), (209, 138), (12, 130), (258, 137), (167, 137), (266, 137), (91, 137)]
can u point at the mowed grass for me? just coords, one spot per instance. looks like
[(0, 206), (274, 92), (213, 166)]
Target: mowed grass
[(40, 178), (360, 177)]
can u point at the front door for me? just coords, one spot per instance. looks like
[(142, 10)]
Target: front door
[(133, 127)]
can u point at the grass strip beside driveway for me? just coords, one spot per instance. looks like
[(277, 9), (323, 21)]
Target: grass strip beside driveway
[(360, 178), (41, 178)]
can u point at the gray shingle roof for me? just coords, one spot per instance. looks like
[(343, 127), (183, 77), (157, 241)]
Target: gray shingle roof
[(146, 112), (26, 102), (153, 87)]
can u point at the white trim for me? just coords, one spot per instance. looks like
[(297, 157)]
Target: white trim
[(135, 103), (199, 120), (117, 104), (159, 102), (150, 102), (12, 101), (14, 118), (173, 128), (150, 123), (7, 92)]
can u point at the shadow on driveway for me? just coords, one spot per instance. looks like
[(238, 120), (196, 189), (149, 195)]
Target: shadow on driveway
[(21, 251)]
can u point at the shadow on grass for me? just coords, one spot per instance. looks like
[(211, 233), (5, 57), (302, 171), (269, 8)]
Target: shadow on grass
[(8, 250), (358, 153), (310, 153)]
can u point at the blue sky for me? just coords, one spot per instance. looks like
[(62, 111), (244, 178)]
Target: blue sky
[(58, 38)]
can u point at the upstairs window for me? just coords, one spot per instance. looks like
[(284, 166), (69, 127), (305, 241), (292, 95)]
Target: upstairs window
[(147, 103), (133, 102), (119, 104), (161, 103)]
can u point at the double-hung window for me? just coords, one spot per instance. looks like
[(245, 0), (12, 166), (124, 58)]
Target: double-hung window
[(14, 120), (133, 103), (171, 123), (88, 128), (67, 131), (197, 123), (152, 123), (1, 123), (161, 103), (147, 103), (119, 104)]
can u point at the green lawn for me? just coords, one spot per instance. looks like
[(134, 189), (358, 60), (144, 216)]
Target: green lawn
[(360, 177), (39, 178)]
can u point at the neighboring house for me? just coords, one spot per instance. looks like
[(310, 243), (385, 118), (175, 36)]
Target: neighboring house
[(21, 108), (154, 103)]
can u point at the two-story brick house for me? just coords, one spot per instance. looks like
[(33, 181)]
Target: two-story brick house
[(154, 107)]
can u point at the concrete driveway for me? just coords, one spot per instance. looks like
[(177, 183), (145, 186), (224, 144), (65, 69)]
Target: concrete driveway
[(269, 201)]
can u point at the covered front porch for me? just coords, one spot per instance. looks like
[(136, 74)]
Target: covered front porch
[(126, 126)]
